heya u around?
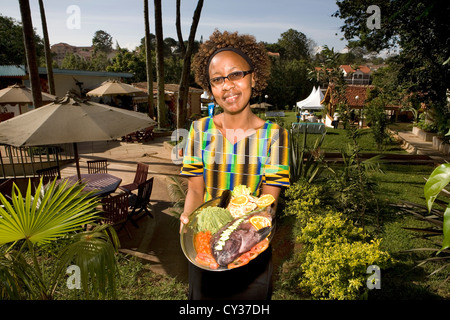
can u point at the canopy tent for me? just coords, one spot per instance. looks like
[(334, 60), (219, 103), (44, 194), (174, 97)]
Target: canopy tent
[(313, 100)]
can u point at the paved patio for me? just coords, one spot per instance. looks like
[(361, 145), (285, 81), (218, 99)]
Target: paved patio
[(156, 240)]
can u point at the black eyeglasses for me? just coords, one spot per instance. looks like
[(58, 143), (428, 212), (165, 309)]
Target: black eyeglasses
[(234, 76)]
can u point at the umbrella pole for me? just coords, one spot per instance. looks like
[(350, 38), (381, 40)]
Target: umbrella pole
[(77, 161)]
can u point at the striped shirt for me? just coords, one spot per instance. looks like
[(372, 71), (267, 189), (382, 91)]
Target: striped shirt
[(262, 157)]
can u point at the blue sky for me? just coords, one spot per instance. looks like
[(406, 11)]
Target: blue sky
[(123, 19)]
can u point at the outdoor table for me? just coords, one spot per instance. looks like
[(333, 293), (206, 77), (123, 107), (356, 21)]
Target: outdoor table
[(311, 127), (102, 183)]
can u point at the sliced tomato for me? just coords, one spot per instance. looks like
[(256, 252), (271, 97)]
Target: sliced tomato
[(245, 258), (207, 260), (260, 247)]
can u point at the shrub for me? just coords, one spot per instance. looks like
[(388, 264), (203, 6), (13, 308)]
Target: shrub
[(303, 200), (336, 258), (338, 271), (328, 229)]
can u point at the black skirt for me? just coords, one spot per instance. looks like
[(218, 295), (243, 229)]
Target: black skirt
[(250, 282)]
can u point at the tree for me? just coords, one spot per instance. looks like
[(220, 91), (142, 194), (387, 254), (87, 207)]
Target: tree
[(161, 106), (74, 62), (30, 51), (126, 61), (12, 50), (420, 29), (295, 45), (102, 41), (183, 91), (148, 61), (48, 53), (288, 82)]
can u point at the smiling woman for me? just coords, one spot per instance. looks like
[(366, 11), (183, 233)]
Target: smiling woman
[(233, 148)]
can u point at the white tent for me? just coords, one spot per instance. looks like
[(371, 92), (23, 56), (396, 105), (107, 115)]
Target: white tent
[(313, 100)]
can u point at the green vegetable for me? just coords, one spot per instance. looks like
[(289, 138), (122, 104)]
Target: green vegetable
[(212, 219), (240, 190)]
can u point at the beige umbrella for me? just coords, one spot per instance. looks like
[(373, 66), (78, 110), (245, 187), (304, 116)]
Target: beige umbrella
[(263, 105), (70, 120), (114, 87), (19, 94)]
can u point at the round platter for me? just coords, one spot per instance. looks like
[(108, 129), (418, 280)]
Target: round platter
[(187, 235)]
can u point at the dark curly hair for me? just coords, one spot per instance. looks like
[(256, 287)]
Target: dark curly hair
[(247, 44)]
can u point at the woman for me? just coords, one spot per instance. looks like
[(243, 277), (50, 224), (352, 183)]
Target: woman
[(233, 148)]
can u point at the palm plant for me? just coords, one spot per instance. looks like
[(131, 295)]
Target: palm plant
[(177, 191), (306, 162), (437, 218), (56, 214)]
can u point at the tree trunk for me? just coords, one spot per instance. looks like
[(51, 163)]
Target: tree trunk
[(179, 33), (183, 91), (160, 65), (30, 52), (48, 53), (148, 57)]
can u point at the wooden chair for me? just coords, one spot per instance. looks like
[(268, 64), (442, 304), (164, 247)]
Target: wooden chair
[(139, 178), (97, 166), (115, 211), (146, 134), (141, 201), (48, 174)]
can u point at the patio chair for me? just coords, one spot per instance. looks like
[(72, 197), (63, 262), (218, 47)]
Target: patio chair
[(141, 201), (146, 134), (140, 177), (115, 210), (48, 174), (97, 166)]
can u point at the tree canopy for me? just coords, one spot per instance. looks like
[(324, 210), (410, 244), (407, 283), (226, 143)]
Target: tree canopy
[(12, 49), (419, 30)]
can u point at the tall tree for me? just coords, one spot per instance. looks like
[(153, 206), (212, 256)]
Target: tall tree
[(295, 45), (102, 41), (148, 60), (161, 105), (183, 91), (30, 51), (48, 53)]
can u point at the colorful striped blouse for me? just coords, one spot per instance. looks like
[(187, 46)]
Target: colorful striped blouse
[(262, 157)]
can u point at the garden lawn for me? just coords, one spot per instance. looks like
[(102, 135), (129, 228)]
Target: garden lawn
[(336, 140)]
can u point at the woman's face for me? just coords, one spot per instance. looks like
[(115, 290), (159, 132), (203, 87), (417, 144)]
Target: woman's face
[(232, 96)]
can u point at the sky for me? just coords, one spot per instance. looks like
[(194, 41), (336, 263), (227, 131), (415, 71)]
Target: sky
[(76, 21)]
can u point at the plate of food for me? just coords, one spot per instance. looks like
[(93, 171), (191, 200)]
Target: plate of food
[(230, 231)]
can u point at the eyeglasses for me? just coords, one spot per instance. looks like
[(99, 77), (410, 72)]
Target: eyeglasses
[(234, 76)]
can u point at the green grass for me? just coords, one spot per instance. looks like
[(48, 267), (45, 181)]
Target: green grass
[(336, 140), (401, 182)]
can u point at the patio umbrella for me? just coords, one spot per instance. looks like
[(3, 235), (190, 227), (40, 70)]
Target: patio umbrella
[(70, 120), (19, 94), (112, 88)]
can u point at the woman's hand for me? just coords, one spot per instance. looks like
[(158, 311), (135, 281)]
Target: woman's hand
[(184, 219), (194, 198)]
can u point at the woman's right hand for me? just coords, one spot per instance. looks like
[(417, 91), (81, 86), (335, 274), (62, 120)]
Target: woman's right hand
[(184, 219)]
